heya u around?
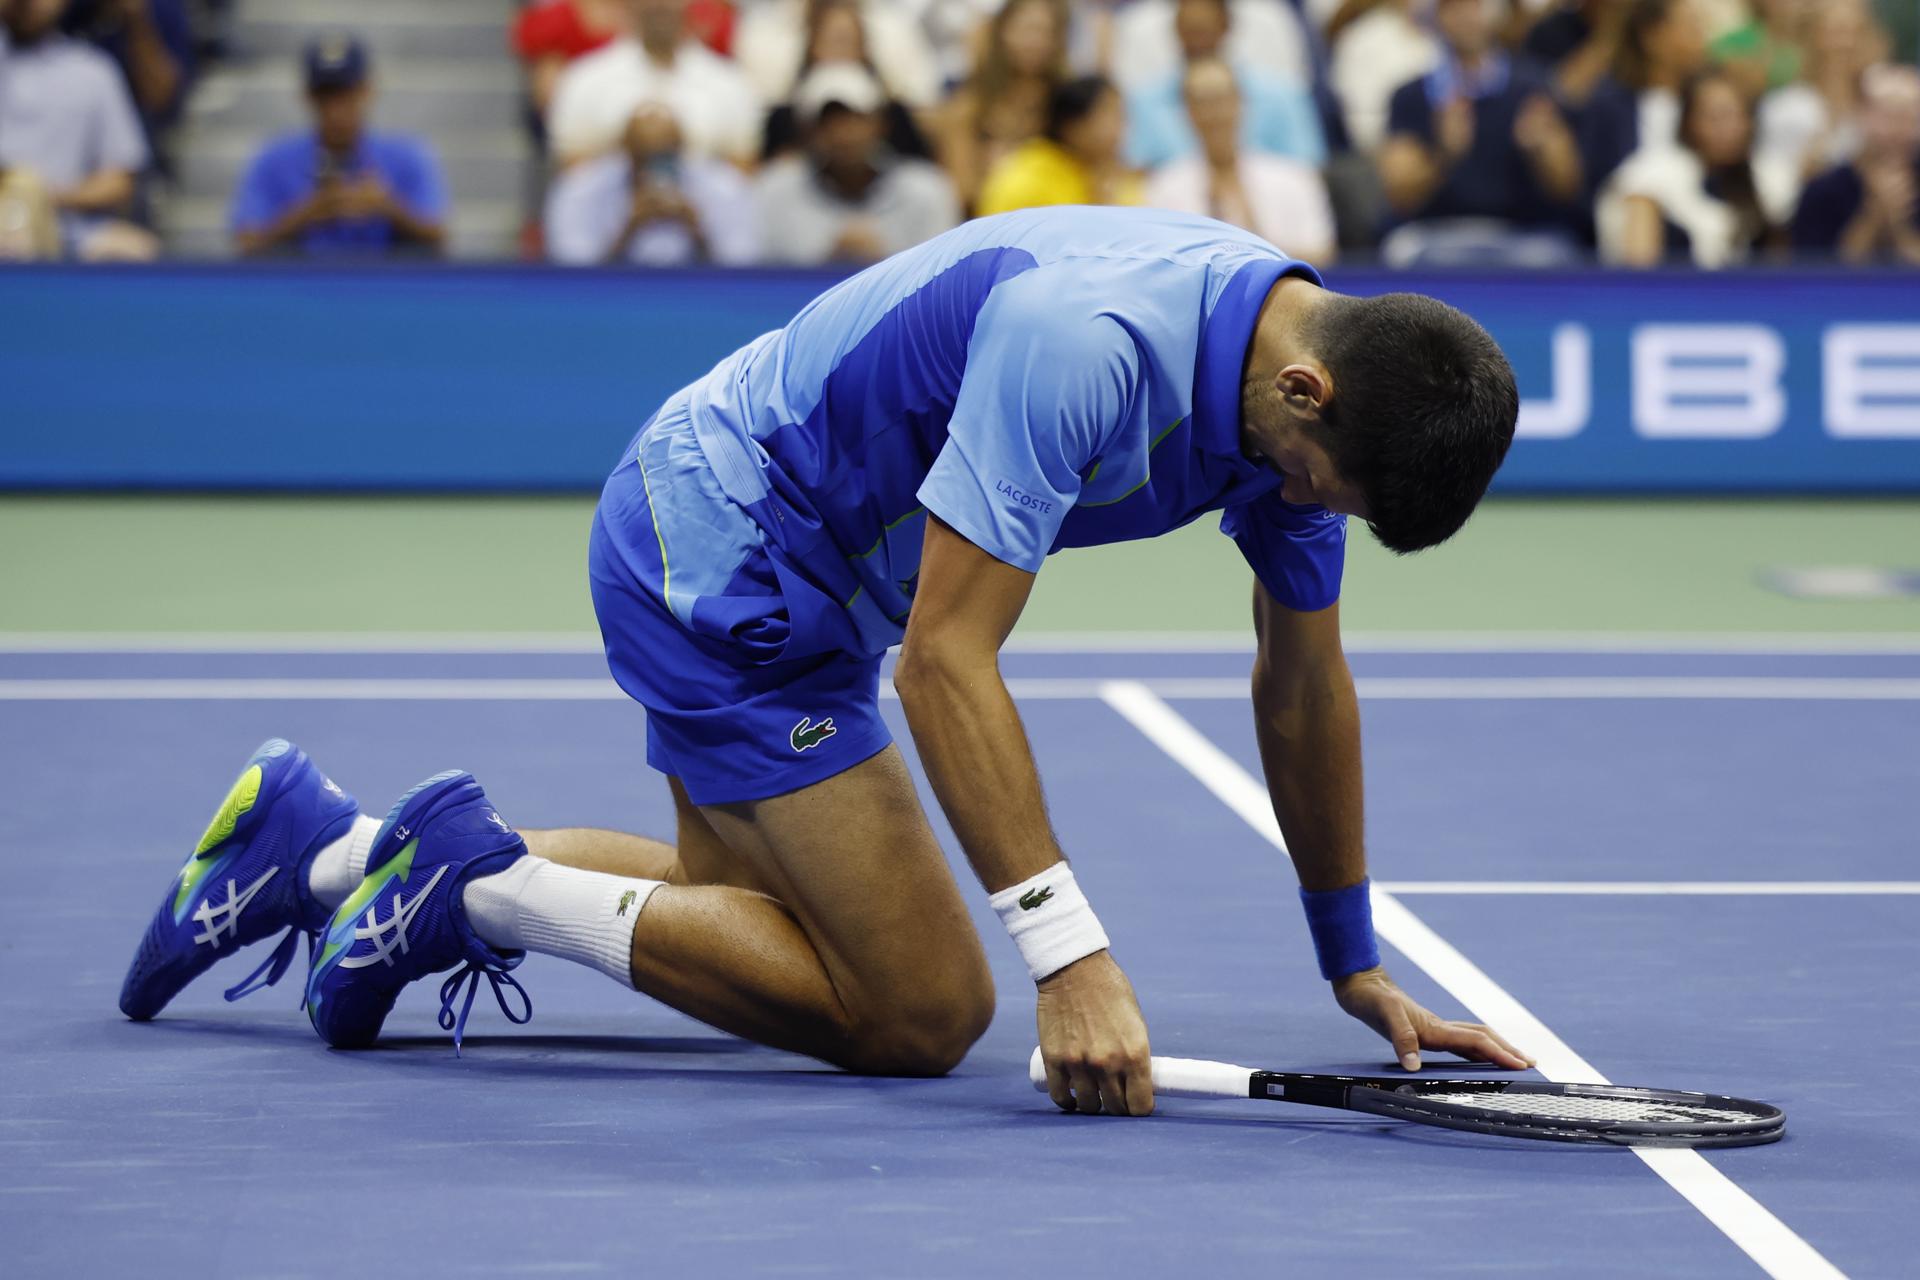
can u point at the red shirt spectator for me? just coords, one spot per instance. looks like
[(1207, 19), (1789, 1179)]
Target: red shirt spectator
[(551, 33)]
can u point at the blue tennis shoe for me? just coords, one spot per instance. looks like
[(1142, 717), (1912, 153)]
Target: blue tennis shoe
[(246, 880), (406, 919)]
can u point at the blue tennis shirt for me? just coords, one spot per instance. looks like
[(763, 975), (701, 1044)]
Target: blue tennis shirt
[(1050, 378)]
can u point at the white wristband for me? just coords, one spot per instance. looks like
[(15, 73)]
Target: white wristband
[(1049, 920)]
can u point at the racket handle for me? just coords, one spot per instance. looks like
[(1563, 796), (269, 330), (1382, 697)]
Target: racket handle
[(1177, 1078)]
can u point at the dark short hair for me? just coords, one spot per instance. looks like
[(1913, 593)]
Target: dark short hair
[(1073, 101), (1421, 415)]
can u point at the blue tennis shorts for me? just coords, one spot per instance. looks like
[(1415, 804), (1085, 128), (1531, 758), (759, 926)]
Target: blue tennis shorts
[(698, 615)]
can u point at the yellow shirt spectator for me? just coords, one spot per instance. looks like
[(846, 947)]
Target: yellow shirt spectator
[(1078, 162), (1044, 172)]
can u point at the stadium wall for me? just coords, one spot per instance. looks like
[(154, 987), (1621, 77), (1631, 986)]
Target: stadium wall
[(508, 378)]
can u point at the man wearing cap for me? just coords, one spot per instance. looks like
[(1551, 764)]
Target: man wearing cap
[(849, 198), (340, 188)]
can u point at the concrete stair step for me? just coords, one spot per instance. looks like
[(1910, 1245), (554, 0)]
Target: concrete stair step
[(390, 32), (425, 97), (196, 227), (480, 164)]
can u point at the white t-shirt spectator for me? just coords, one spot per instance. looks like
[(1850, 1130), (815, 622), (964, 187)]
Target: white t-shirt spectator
[(717, 107), (65, 114), (1374, 56), (1674, 179), (1288, 199), (801, 220), (1266, 34), (588, 204), (770, 42)]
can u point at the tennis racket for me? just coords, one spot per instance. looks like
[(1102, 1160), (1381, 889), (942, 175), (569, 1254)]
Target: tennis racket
[(1600, 1113)]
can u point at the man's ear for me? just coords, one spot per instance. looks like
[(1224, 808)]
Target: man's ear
[(1305, 387)]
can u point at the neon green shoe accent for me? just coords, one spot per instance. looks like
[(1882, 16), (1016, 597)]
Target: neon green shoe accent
[(401, 866), (240, 800)]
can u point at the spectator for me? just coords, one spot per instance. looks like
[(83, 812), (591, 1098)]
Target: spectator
[(1763, 52), (597, 94), (1661, 46), (1702, 198), (1378, 45), (340, 188), (552, 33), (1077, 161), (1004, 103), (1277, 114), (1580, 42), (837, 35), (849, 198), (952, 29), (151, 41), (67, 119), (1868, 210), (1478, 161), (1260, 36), (1274, 196), (1812, 125), (778, 43), (652, 204)]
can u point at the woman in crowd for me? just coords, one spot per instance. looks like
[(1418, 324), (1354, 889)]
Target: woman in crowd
[(1706, 199), (836, 33), (1661, 45), (1274, 196), (1810, 124), (1005, 102), (1076, 160)]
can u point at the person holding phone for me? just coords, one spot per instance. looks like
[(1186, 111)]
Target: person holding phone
[(341, 188), (652, 203)]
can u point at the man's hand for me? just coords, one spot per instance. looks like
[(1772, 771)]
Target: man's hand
[(1372, 997), (1094, 1040), (365, 197), (1453, 129)]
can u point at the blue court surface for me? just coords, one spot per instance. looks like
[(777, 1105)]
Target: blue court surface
[(1695, 870)]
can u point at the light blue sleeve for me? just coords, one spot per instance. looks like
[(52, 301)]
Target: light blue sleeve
[(1297, 552), (1045, 388)]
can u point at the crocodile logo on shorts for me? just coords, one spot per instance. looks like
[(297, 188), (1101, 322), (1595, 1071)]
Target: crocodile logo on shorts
[(1033, 898), (808, 734)]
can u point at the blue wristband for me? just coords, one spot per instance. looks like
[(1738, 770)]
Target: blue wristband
[(1341, 921)]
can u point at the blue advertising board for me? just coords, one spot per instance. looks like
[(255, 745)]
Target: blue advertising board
[(449, 378)]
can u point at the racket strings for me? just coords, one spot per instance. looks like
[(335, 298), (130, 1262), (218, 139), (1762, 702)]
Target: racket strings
[(1550, 1106)]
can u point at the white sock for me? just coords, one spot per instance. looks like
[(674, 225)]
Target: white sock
[(582, 916), (338, 869)]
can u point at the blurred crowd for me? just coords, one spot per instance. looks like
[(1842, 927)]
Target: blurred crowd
[(805, 132)]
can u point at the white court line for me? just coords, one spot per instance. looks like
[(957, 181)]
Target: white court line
[(1812, 643), (1744, 1220), (593, 689), (1677, 888)]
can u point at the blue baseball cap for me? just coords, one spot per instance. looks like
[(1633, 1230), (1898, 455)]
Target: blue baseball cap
[(335, 61)]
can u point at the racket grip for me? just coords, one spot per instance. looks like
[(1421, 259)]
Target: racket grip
[(1176, 1078)]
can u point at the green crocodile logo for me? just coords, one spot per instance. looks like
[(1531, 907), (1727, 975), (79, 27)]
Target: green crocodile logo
[(807, 734), (1033, 898), (626, 900)]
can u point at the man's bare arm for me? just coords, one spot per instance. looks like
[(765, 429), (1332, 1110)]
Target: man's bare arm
[(976, 754), (1307, 720)]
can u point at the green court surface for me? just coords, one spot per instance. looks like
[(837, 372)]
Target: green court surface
[(399, 564)]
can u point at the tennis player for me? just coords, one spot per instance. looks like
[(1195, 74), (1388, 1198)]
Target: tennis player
[(892, 468)]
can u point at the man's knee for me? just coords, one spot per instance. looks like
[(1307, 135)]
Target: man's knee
[(925, 1033)]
